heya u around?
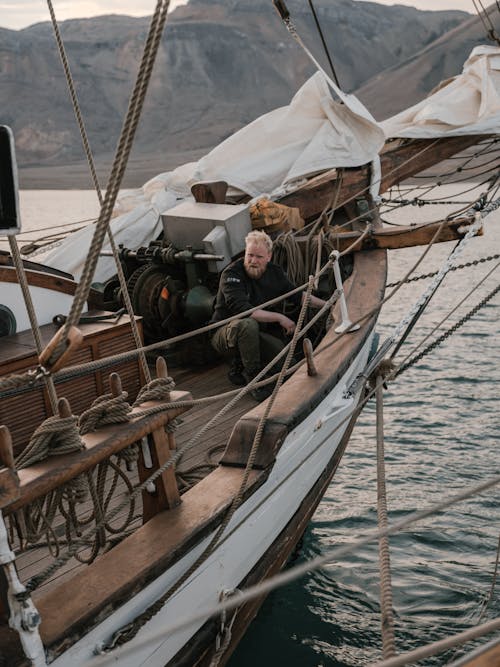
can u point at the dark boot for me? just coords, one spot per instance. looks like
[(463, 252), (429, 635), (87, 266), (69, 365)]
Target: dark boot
[(259, 393), (235, 375)]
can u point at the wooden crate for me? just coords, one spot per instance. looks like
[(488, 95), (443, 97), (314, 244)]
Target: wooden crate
[(22, 410)]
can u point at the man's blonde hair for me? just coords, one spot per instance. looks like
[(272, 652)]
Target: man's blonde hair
[(256, 236)]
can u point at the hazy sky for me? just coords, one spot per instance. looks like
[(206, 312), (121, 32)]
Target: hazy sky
[(17, 14)]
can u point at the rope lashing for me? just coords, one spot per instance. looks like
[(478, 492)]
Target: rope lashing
[(106, 409), (55, 436), (157, 390)]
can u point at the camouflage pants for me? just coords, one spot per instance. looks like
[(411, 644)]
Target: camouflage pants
[(256, 347)]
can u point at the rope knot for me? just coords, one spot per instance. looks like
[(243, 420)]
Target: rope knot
[(157, 390), (385, 368), (56, 435), (106, 409)]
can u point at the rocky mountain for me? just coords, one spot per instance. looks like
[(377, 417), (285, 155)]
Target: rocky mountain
[(221, 64), (416, 76)]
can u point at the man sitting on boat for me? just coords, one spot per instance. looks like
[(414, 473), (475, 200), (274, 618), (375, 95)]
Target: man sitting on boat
[(255, 340)]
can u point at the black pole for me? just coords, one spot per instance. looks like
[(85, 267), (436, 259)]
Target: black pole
[(324, 43)]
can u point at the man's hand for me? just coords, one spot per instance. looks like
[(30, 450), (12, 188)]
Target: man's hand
[(271, 316), (287, 324)]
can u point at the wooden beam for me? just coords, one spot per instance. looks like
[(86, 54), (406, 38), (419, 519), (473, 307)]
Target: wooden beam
[(9, 481), (160, 446), (404, 236), (399, 161), (39, 479)]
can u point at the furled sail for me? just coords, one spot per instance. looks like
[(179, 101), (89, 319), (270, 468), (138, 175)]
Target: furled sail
[(312, 134), (468, 104)]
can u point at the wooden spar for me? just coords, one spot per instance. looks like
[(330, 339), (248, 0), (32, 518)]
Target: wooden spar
[(404, 236), (398, 162)]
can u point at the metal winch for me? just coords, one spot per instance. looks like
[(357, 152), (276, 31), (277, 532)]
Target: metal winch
[(173, 281)]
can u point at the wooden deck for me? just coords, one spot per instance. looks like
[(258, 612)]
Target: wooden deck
[(206, 382), (195, 464)]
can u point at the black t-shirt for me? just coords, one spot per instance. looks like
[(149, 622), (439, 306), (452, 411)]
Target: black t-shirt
[(238, 292)]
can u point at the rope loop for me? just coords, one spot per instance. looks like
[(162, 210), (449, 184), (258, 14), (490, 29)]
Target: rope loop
[(76, 491), (56, 435), (106, 409), (157, 390)]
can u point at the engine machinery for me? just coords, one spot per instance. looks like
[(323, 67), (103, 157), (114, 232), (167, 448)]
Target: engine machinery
[(173, 281)]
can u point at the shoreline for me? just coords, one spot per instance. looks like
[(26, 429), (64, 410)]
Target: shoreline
[(76, 175)]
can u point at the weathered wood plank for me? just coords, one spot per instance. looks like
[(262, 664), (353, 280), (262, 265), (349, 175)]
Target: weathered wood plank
[(398, 161), (404, 236)]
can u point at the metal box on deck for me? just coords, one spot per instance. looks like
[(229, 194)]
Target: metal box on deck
[(189, 223)]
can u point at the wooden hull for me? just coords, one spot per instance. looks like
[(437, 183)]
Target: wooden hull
[(308, 429), (201, 649), (271, 521)]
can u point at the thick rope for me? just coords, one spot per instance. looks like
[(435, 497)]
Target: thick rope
[(388, 640), (119, 165), (56, 435), (442, 645), (35, 329), (106, 409), (156, 390)]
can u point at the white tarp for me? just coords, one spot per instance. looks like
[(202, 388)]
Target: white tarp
[(469, 104), (137, 223), (312, 134)]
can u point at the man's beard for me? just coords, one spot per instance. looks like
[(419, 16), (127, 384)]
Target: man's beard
[(254, 272)]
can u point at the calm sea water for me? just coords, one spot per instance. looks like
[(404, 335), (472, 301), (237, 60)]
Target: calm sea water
[(441, 437)]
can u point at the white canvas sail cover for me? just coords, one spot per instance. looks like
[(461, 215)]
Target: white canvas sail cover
[(312, 134), (469, 104)]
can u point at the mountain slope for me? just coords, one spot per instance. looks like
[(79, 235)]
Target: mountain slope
[(401, 86), (221, 64)]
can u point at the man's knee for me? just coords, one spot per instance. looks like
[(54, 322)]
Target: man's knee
[(240, 331), (235, 333), (247, 327)]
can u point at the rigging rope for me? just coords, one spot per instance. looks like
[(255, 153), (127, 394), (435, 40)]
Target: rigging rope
[(35, 329), (488, 25), (86, 144), (387, 614), (448, 333), (438, 326), (295, 572), (325, 47), (119, 165)]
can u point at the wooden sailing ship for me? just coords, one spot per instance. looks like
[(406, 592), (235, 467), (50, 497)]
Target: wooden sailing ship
[(120, 541)]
